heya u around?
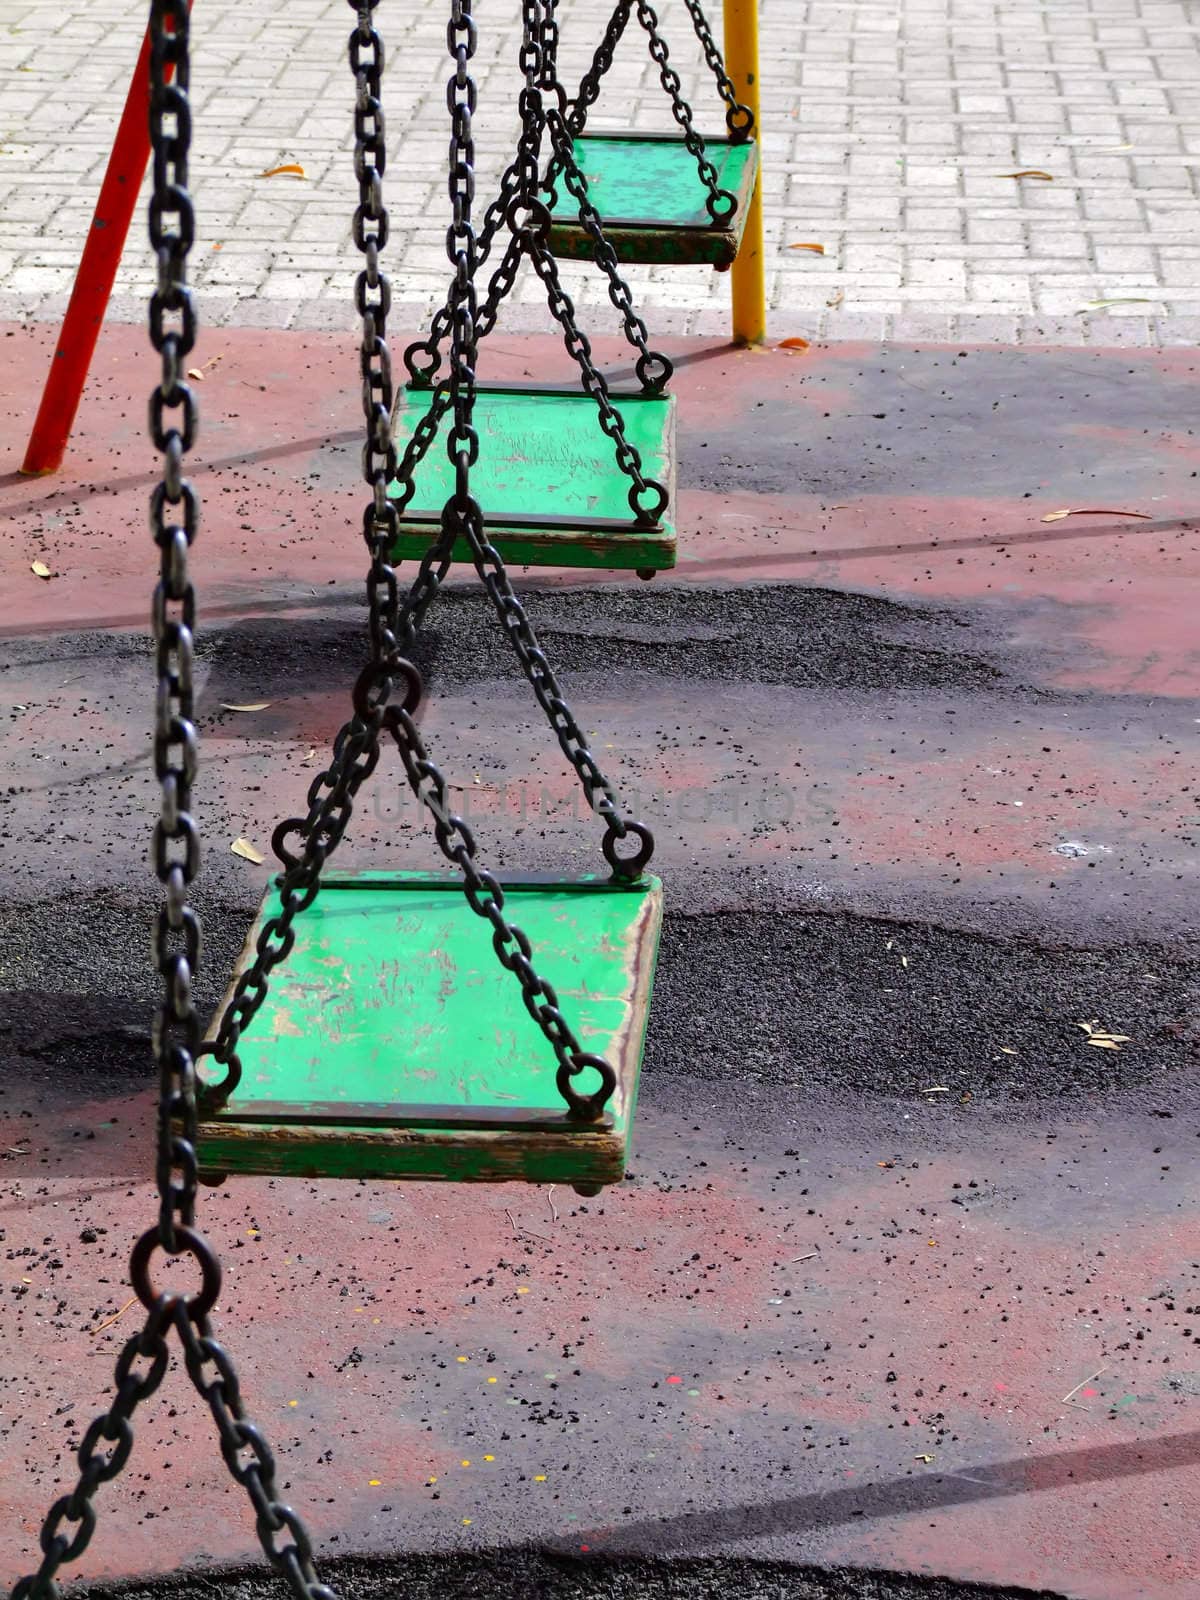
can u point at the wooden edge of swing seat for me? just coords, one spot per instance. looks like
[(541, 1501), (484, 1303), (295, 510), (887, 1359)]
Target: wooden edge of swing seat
[(542, 445), (392, 1044), (669, 224)]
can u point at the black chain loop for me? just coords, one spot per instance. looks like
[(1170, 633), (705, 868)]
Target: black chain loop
[(174, 519), (355, 754), (739, 119), (589, 85), (538, 59), (512, 946), (462, 518), (719, 203), (356, 749), (176, 844), (111, 1427), (528, 219)]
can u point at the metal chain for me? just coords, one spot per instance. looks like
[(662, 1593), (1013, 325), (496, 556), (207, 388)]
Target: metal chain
[(97, 1466), (589, 85), (174, 519), (653, 369), (355, 752), (529, 219), (423, 358), (512, 946), (281, 1532), (720, 203), (249, 1457), (739, 119), (462, 517), (539, 56), (529, 222)]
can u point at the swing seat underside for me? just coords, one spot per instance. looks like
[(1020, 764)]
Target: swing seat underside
[(393, 1044), (547, 478), (651, 197)]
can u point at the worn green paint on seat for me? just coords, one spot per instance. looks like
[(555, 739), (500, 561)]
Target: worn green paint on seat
[(545, 464), (651, 199), (393, 1044)]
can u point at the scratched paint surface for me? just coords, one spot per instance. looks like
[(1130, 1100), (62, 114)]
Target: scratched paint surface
[(393, 995), (656, 180), (543, 454)]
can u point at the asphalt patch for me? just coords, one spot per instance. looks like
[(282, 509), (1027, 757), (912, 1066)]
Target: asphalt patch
[(860, 1005), (827, 1001), (779, 634), (519, 1574)]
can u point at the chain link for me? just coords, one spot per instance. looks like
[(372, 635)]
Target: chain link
[(393, 627), (174, 519), (69, 1524), (462, 518), (175, 854), (719, 203), (539, 53), (589, 85), (528, 219), (97, 1466), (739, 119), (355, 754)]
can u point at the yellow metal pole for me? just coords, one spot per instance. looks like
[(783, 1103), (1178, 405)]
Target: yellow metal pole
[(741, 63)]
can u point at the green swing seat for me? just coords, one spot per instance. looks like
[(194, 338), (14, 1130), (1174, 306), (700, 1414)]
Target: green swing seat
[(393, 1044), (651, 199), (541, 446)]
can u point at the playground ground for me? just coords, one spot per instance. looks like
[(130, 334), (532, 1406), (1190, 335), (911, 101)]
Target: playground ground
[(902, 1298), (904, 1279)]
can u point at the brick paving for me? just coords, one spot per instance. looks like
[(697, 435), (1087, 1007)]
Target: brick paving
[(889, 128)]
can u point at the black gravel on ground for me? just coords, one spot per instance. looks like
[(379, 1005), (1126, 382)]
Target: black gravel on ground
[(535, 1575), (832, 1001), (824, 1001), (774, 634)]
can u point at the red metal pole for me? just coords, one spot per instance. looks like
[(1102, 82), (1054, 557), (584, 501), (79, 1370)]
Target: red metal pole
[(95, 277)]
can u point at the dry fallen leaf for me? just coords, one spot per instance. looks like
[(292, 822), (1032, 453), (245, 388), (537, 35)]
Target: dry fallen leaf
[(289, 169), (1029, 172), (253, 705), (817, 249), (1094, 511), (1125, 300), (1101, 1038), (1007, 1050), (836, 298), (40, 569), (197, 373), (243, 848), (793, 344)]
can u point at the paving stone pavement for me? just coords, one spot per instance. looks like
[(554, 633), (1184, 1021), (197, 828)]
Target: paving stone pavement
[(890, 131)]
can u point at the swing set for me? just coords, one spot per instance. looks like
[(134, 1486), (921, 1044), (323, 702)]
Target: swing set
[(382, 1023)]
